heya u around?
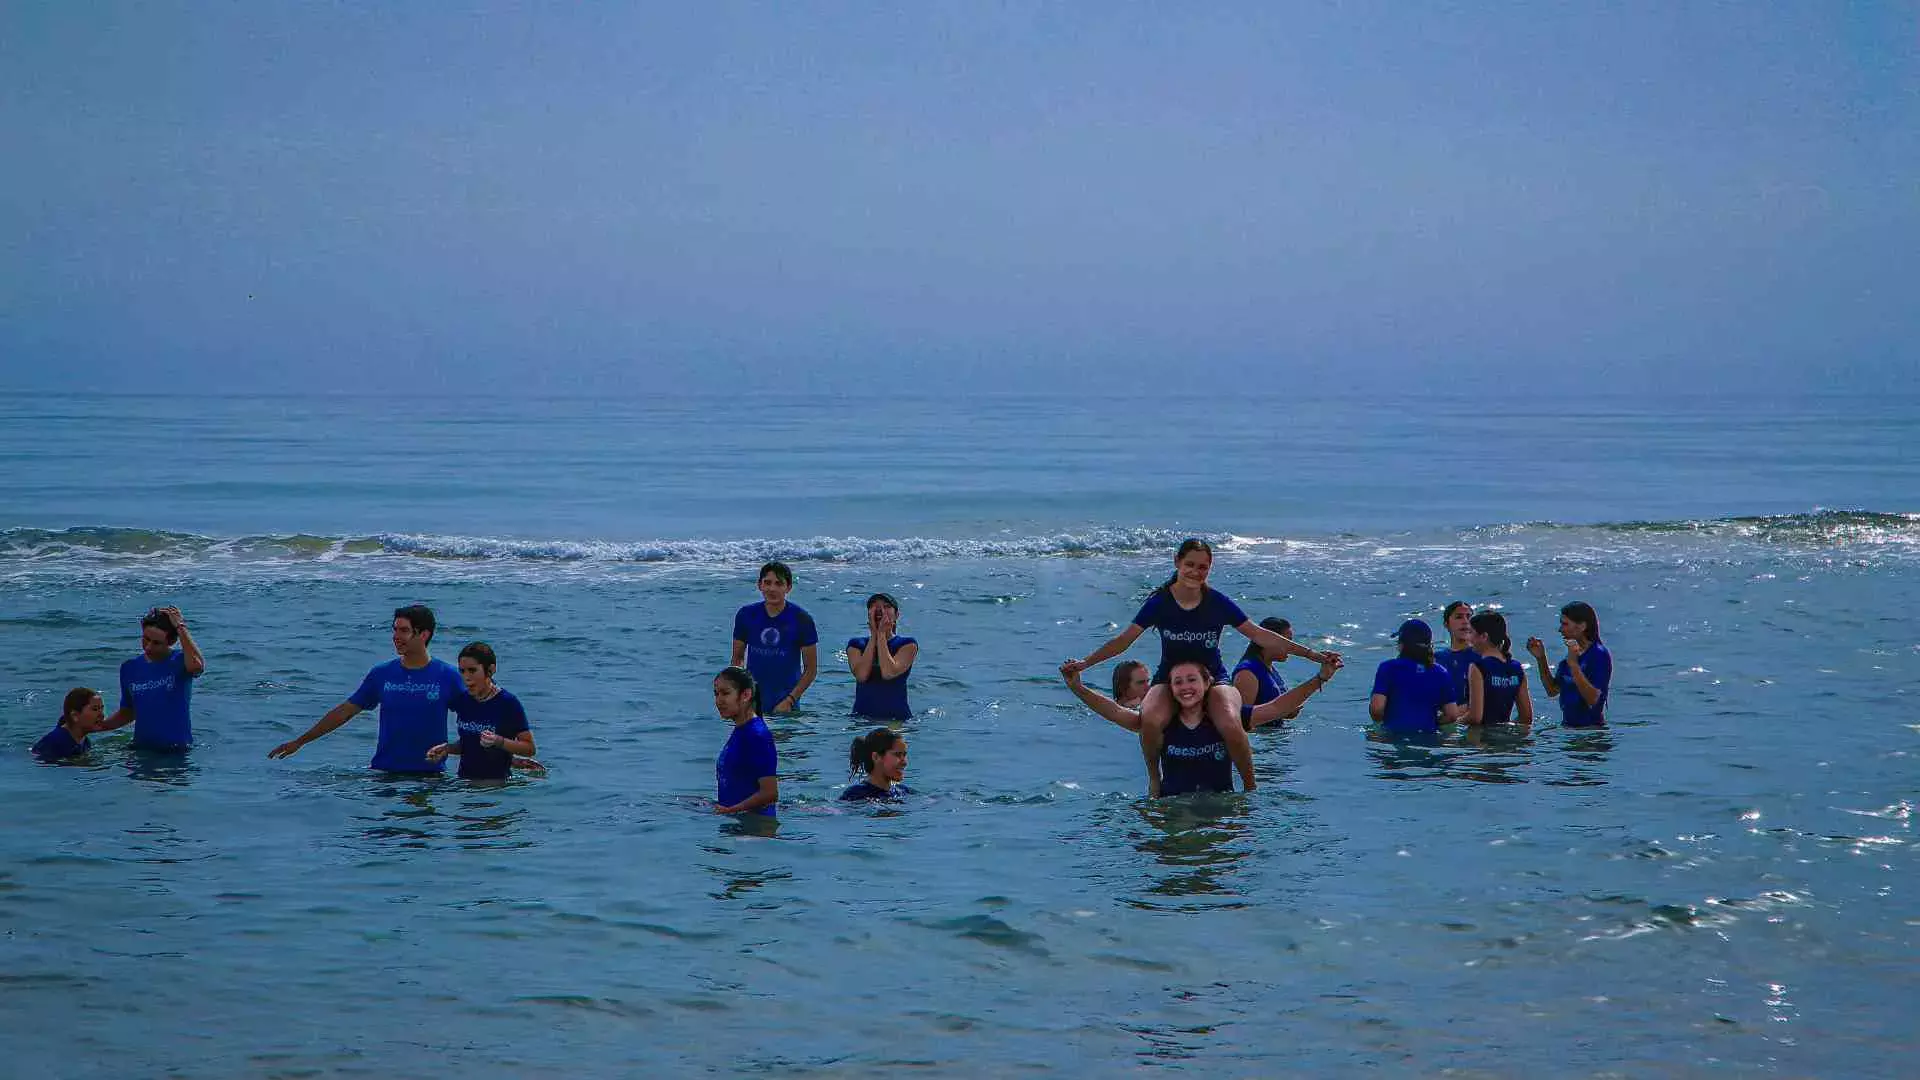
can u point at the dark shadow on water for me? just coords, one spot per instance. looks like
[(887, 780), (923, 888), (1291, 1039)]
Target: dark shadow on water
[(1587, 752), (408, 822), (1482, 756), (1193, 837), (171, 767)]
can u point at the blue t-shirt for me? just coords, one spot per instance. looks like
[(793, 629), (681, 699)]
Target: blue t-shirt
[(1194, 759), (1415, 692), (1189, 635), (879, 698), (867, 791), (1457, 662), (413, 708), (773, 647), (160, 696), (1597, 664), (748, 757), (58, 745), (1269, 683), (1500, 682), (501, 714)]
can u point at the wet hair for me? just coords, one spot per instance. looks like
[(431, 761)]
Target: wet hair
[(77, 698), (1123, 674), (878, 741), (886, 599), (418, 616), (1187, 547), (1447, 613), (162, 622), (1420, 652), (1277, 625), (741, 679), (480, 653), (778, 569), (1582, 612), (1494, 625)]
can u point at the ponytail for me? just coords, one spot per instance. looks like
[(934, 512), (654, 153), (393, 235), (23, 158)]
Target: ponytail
[(878, 741), (1494, 625), (1420, 652), (77, 698)]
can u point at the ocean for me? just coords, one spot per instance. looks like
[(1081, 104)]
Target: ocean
[(1722, 882)]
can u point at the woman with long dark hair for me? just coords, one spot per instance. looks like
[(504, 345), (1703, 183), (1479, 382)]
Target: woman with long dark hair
[(881, 754), (1412, 693), (1581, 680), (1496, 683)]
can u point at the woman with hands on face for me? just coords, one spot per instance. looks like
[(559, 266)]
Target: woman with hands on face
[(493, 724), (1580, 681), (880, 662)]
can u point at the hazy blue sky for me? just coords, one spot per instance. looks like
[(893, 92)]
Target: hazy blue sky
[(605, 197)]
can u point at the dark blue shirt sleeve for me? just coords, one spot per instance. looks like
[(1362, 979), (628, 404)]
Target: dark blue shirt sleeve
[(740, 625), (761, 758), (1600, 670), (1149, 613), (806, 631), (126, 690), (512, 722), (368, 696), (1230, 613)]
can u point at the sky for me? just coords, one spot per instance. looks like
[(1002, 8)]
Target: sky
[(956, 197)]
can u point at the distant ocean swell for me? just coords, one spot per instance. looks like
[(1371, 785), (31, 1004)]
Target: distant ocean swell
[(1852, 534)]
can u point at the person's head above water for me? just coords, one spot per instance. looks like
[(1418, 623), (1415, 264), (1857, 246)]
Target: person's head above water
[(1278, 626), (476, 666), (1131, 681), (413, 627), (735, 695), (82, 710), (1457, 618), (1490, 631), (1579, 621), (881, 754), (885, 605), (1189, 681), (1191, 564), (776, 581), (157, 635), (1416, 640)]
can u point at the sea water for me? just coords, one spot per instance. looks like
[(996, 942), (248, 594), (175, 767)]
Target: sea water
[(1720, 882)]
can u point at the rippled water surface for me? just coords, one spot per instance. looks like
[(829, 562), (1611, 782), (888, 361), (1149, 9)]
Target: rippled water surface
[(1721, 883)]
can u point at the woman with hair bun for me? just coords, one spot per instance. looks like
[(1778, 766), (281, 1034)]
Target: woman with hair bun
[(1496, 683), (882, 755)]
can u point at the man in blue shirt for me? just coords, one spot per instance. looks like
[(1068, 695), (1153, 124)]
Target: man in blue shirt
[(777, 642), (412, 693), (156, 687)]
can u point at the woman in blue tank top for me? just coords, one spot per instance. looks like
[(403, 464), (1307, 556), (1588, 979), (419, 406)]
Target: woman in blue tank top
[(1496, 683), (1581, 680)]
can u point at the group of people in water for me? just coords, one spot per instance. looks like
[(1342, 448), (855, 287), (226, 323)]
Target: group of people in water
[(1192, 715)]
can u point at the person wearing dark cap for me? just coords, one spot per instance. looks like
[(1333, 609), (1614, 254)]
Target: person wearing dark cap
[(1412, 693)]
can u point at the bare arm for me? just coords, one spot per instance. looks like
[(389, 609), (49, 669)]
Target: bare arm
[(336, 716), (739, 653), (892, 664), (1101, 703), (767, 795), (1377, 707), (1476, 695), (1547, 682), (121, 717), (189, 650), (1120, 643), (1287, 705), (1267, 639), (1523, 705), (809, 667), (861, 661)]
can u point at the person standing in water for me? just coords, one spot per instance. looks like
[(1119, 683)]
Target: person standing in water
[(1255, 677), (1458, 656), (493, 724), (156, 687), (1581, 680), (1190, 616), (1496, 683), (81, 714), (882, 755), (413, 694), (777, 641), (1412, 693), (880, 662), (747, 772), (1275, 710)]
